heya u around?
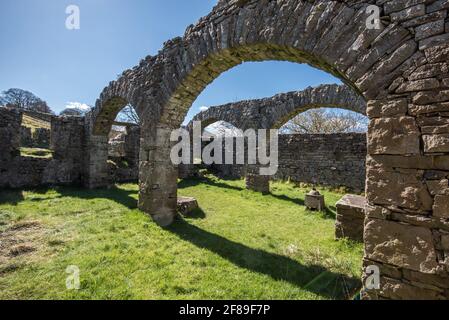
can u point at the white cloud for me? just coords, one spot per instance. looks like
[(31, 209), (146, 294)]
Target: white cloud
[(77, 105), (203, 108)]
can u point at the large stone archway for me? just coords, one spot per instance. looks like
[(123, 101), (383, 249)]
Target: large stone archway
[(400, 69), (274, 112)]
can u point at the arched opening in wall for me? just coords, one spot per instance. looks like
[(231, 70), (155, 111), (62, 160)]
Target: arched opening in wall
[(326, 121), (35, 134), (282, 211), (324, 146), (123, 146)]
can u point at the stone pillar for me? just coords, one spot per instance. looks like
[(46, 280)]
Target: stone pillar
[(98, 175), (132, 145), (158, 177), (255, 181), (406, 225)]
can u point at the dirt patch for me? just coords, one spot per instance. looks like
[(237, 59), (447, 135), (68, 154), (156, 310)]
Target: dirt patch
[(18, 240)]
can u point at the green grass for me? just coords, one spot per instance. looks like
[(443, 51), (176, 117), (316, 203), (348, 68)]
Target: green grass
[(36, 153), (33, 123), (239, 245)]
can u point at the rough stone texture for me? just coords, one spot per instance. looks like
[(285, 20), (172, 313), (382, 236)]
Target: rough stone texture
[(400, 245), (314, 201), (258, 183), (332, 36), (186, 205), (331, 160), (37, 138), (10, 122), (274, 112), (67, 143), (350, 217)]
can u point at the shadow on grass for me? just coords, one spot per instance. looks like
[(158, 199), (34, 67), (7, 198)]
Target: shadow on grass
[(194, 182), (196, 214), (314, 278), (11, 197), (115, 194), (186, 183)]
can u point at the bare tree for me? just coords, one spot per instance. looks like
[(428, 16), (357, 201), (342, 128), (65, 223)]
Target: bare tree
[(25, 100), (129, 114), (326, 121)]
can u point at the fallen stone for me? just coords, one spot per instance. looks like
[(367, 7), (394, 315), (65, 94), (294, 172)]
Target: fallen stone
[(186, 205)]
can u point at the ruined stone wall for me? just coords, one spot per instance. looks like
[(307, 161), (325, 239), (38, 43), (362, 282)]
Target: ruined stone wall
[(274, 112), (37, 138), (333, 160), (400, 68), (10, 122), (68, 143), (66, 167)]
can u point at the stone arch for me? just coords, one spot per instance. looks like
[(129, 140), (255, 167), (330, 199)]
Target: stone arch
[(273, 112), (99, 122), (400, 69)]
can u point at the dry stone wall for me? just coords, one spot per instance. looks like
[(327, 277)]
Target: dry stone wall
[(331, 160)]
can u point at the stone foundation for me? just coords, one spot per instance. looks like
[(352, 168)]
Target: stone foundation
[(350, 217)]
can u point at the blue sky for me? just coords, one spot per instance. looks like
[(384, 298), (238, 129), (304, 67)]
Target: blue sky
[(60, 66)]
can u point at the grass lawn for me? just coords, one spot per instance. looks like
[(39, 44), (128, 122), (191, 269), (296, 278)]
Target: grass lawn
[(240, 245)]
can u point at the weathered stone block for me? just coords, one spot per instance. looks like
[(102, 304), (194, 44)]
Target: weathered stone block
[(418, 85), (445, 244), (258, 183), (438, 5), (393, 136), (405, 187), (400, 245), (398, 5), (441, 206), (350, 217), (429, 29), (386, 108), (425, 109), (186, 205), (433, 41), (436, 143), (438, 186), (399, 290), (408, 13), (314, 201), (429, 97)]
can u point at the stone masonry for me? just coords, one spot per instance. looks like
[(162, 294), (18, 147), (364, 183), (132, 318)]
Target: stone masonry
[(335, 160), (274, 112), (400, 69), (350, 217)]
